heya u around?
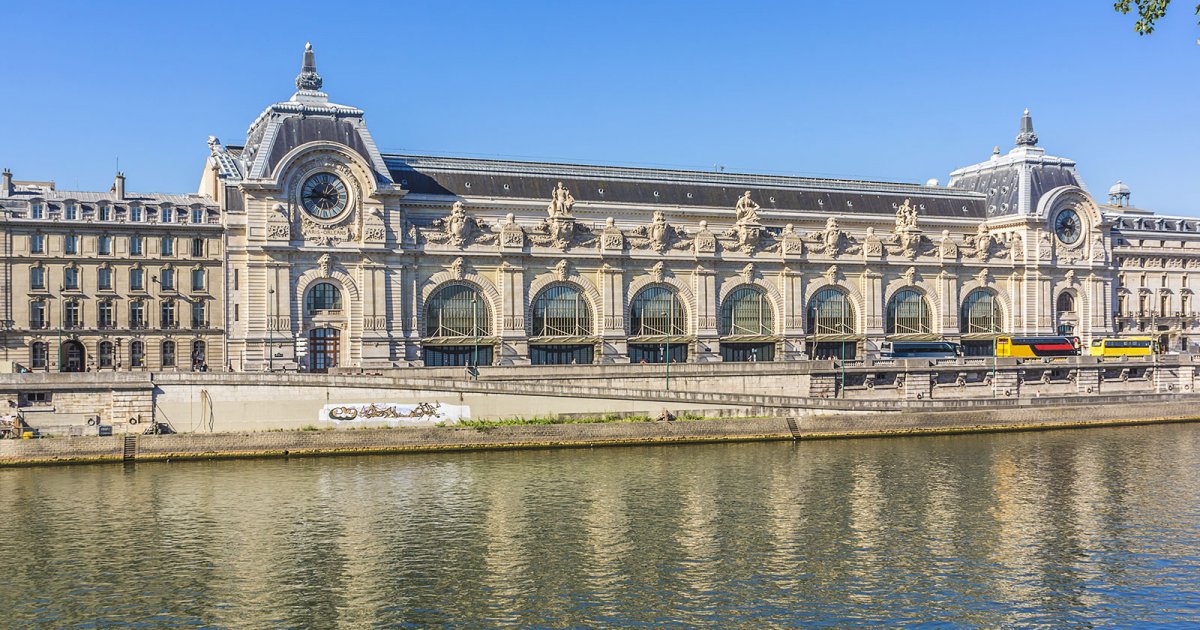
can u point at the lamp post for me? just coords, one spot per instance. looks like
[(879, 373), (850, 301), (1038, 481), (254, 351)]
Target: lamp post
[(62, 305), (271, 331), (475, 329)]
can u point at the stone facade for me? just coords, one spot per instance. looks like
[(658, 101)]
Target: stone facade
[(110, 281), (332, 254)]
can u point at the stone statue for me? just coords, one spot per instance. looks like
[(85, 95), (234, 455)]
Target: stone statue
[(561, 202), (906, 217), (746, 209), (657, 231)]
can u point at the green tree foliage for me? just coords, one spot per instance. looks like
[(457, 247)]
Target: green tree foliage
[(1148, 11)]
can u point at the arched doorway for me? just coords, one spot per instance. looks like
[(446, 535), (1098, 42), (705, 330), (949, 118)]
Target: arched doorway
[(73, 357), (324, 348)]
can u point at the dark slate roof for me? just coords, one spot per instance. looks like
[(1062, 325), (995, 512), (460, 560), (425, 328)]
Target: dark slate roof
[(468, 177), (1001, 184), (294, 132)]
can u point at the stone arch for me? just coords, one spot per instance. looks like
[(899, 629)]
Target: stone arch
[(481, 284), (933, 299), (352, 301), (851, 291), (1008, 313), (682, 289), (363, 169), (731, 284), (549, 279)]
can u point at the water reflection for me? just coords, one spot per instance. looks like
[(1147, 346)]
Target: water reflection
[(1090, 527)]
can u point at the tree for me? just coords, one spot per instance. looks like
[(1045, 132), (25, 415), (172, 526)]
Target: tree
[(1149, 12)]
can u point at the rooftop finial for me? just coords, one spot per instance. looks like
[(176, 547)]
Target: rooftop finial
[(308, 79), (1027, 138)]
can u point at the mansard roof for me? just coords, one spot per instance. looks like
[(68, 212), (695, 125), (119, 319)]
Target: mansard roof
[(51, 195), (471, 177)]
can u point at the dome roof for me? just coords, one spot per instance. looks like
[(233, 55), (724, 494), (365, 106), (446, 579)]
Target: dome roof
[(1118, 189)]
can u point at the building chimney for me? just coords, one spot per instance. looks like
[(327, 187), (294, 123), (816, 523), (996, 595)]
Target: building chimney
[(119, 186), (7, 189)]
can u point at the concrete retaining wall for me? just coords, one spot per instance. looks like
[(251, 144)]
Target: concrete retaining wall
[(807, 426)]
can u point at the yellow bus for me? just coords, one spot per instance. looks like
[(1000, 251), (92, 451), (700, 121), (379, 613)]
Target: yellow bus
[(1124, 347), (1037, 346)]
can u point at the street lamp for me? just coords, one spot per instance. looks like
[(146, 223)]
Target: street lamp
[(62, 306), (475, 329), (271, 331)]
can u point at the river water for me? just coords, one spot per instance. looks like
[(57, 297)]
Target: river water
[(1067, 528)]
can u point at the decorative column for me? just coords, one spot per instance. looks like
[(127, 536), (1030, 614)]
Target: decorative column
[(612, 292), (514, 344), (791, 285), (704, 286)]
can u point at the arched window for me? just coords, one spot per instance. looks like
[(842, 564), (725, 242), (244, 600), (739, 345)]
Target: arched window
[(907, 313), (323, 297), (168, 353), (1066, 303), (137, 354), (457, 311), (39, 355), (199, 360), (105, 354), (657, 311), (830, 313), (981, 313), (746, 311), (561, 311)]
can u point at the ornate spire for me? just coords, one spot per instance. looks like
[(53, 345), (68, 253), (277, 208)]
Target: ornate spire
[(1027, 138), (308, 79)]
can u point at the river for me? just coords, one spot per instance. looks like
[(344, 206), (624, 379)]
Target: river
[(1066, 528)]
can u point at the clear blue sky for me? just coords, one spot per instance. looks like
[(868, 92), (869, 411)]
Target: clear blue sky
[(901, 91)]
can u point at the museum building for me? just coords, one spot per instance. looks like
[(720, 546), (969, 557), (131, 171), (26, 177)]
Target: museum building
[(313, 250)]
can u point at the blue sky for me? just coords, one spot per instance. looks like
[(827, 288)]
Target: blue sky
[(902, 91)]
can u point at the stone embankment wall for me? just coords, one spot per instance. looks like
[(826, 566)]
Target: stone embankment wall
[(226, 402), (434, 439)]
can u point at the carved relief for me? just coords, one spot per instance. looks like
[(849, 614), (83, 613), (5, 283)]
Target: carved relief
[(660, 235), (983, 245), (458, 268), (657, 271), (872, 246), (279, 224), (611, 239), (326, 235), (706, 241), (511, 234), (747, 272), (832, 240), (562, 232), (324, 263), (948, 248), (562, 270), (374, 231), (792, 243), (459, 229)]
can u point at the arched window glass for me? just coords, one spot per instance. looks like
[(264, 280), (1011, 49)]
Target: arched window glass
[(908, 313), (830, 313), (105, 354), (168, 353), (324, 297), (457, 311), (199, 360), (39, 353), (980, 313), (657, 311), (1066, 303), (137, 354), (561, 311), (747, 312)]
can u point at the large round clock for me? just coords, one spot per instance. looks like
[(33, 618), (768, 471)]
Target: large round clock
[(1068, 227), (324, 196)]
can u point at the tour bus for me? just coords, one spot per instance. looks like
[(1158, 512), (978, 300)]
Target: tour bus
[(1037, 346), (1124, 347), (920, 350)]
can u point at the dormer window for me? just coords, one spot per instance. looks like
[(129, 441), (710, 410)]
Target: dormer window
[(197, 215), (105, 213), (72, 212), (165, 215), (36, 211), (135, 214)]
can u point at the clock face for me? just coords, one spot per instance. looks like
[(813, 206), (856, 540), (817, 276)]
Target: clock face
[(1068, 227), (324, 196)]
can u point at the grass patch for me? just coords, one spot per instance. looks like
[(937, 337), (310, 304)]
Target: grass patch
[(536, 420)]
